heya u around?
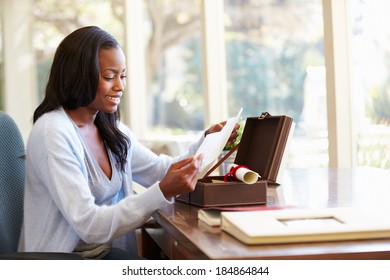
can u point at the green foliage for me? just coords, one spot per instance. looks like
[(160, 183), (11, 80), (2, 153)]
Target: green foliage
[(266, 79), (379, 106), (238, 139), (249, 81), (375, 154), (259, 79), (185, 110), (43, 71)]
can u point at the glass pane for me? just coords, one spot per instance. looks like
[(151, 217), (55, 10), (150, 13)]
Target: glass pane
[(275, 63), (54, 19), (173, 66), (371, 64)]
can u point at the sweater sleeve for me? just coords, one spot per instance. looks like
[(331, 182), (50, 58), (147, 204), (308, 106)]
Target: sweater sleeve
[(149, 168), (58, 163)]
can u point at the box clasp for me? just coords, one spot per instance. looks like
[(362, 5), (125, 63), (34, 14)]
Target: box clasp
[(264, 115)]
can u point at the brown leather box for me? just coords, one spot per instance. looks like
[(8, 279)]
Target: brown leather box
[(261, 149)]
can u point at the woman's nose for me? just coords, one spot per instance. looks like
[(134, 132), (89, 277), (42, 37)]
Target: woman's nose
[(120, 84)]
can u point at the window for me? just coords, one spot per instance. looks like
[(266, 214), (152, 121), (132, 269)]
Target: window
[(275, 63), (370, 48), (56, 19), (173, 67)]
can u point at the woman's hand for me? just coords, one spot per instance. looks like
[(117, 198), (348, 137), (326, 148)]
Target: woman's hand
[(218, 127), (181, 177)]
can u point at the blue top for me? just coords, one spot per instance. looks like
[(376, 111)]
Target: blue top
[(63, 202)]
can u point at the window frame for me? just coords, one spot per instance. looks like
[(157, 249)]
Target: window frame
[(342, 134)]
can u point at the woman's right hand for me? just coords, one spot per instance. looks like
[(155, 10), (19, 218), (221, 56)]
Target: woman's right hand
[(181, 177)]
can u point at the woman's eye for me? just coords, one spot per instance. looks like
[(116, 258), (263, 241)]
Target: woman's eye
[(123, 77), (109, 78)]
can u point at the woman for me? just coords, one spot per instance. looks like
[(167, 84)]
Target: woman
[(81, 160)]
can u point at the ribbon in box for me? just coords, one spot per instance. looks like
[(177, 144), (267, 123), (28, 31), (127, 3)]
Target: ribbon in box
[(242, 173)]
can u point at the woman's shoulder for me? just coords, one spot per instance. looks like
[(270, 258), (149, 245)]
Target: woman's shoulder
[(54, 117), (125, 129), (54, 123), (53, 134)]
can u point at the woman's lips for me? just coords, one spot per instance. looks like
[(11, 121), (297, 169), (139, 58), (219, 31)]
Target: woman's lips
[(114, 98)]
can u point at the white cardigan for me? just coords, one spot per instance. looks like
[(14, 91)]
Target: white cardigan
[(59, 207)]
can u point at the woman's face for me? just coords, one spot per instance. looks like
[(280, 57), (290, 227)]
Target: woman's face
[(112, 80)]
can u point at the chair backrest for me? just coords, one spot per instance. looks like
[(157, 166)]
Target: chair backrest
[(12, 177)]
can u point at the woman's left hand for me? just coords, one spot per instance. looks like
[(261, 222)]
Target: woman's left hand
[(218, 127)]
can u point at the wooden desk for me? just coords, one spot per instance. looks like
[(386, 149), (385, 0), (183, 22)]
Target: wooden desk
[(180, 235)]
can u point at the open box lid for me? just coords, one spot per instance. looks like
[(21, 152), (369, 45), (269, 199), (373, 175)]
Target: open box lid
[(262, 147), (263, 144)]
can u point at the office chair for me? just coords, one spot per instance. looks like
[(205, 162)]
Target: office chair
[(12, 176)]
